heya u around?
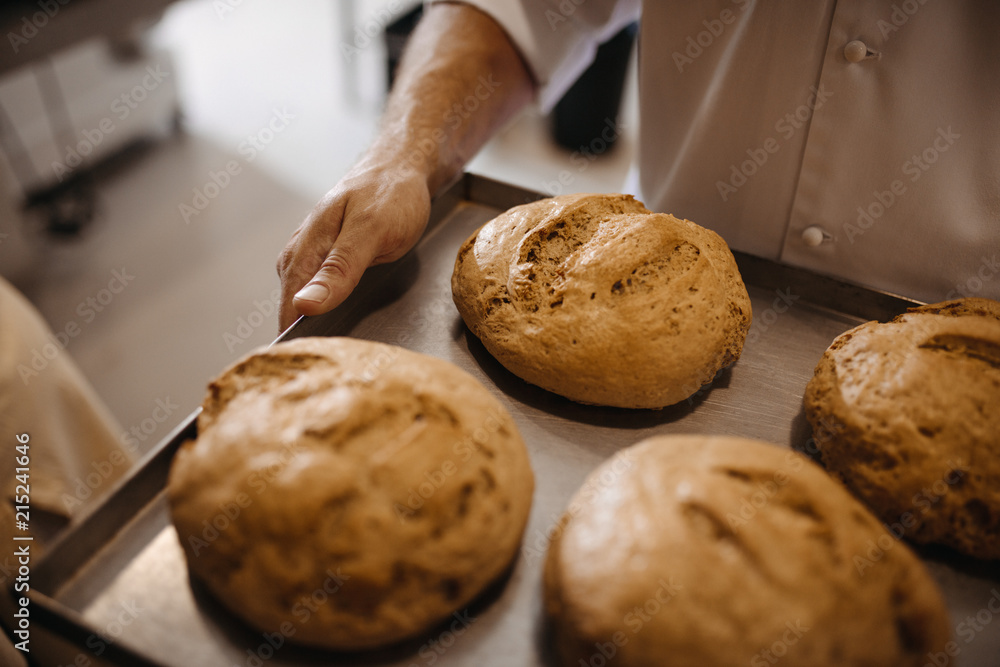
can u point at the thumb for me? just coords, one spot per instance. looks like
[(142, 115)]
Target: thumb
[(336, 278)]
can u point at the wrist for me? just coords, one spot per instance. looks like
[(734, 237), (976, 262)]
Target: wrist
[(395, 162), (415, 153)]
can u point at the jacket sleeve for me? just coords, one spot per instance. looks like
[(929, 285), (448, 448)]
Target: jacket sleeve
[(558, 38)]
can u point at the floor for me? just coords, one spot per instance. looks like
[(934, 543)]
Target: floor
[(200, 293)]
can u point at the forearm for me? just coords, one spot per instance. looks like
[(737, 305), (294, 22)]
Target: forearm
[(460, 80)]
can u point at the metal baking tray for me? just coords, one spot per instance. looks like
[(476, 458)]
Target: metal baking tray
[(117, 580)]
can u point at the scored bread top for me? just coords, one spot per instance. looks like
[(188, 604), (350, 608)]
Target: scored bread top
[(598, 299), (907, 414), (708, 549), (391, 482)]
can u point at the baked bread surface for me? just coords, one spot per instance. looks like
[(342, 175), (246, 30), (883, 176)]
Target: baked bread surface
[(597, 299), (359, 493), (907, 414), (695, 550)]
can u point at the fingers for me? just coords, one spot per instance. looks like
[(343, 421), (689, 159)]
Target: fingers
[(303, 256), (364, 221), (337, 276), (318, 288)]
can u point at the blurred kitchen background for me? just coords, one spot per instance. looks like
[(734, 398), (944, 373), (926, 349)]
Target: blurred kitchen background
[(156, 156)]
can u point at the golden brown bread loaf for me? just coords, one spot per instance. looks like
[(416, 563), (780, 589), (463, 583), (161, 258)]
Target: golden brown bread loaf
[(907, 414), (960, 307), (355, 492), (727, 551), (599, 300)]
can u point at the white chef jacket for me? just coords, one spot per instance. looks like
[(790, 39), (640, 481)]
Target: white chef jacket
[(858, 139)]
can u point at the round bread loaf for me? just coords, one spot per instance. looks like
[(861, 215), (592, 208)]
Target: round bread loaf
[(960, 307), (907, 414), (597, 299), (351, 492), (726, 551)]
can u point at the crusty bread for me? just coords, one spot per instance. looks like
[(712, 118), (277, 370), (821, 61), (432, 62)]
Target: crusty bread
[(355, 492), (907, 414), (960, 307), (695, 550), (599, 300)]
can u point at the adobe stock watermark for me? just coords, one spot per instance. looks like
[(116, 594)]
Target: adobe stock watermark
[(432, 651), (255, 319), (618, 465), (913, 168), (30, 25), (249, 149), (764, 491), (121, 108), (584, 157), (88, 310), (566, 9), (698, 44), (113, 630), (453, 119), (923, 502), (113, 466), (228, 512), (303, 609), (988, 269), (634, 621), (966, 630), (433, 480), (419, 324), (223, 8), (898, 17), (371, 29), (700, 389), (779, 648), (762, 321), (786, 127), (784, 301)]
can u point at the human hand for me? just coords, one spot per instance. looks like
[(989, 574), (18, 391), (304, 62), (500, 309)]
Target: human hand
[(374, 215)]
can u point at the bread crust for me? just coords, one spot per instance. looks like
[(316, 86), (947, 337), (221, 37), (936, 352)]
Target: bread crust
[(907, 415), (598, 299), (356, 492), (716, 550)]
